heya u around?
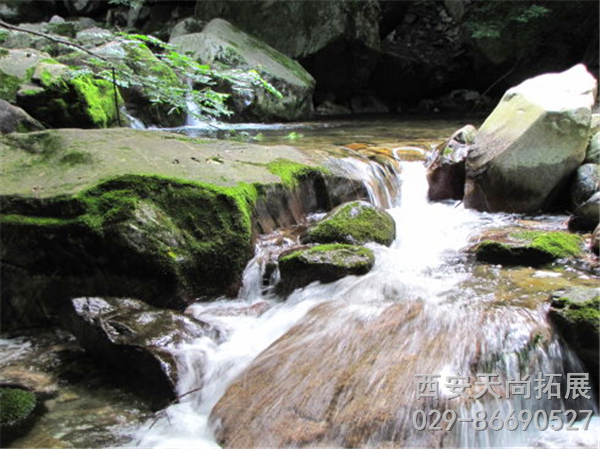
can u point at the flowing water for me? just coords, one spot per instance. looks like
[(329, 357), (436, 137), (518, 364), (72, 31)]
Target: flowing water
[(335, 364), (457, 326)]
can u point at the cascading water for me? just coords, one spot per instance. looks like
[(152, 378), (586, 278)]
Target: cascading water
[(415, 312)]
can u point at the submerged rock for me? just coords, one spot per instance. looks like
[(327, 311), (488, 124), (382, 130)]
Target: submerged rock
[(532, 143), (17, 413), (323, 263), (526, 247), (135, 339), (354, 223), (222, 43), (576, 315)]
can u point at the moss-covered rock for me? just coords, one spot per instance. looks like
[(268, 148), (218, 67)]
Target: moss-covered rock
[(526, 247), (141, 214), (60, 100), (357, 222), (15, 119), (17, 409), (324, 263), (225, 46), (576, 315), (16, 68)]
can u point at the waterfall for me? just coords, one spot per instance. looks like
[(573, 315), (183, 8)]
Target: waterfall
[(415, 312)]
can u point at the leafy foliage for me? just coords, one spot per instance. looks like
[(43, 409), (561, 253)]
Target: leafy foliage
[(162, 82), (490, 20)]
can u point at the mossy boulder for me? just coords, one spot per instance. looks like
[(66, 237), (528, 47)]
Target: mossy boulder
[(156, 216), (354, 223), (224, 46), (17, 413), (576, 315), (139, 59), (323, 263), (59, 99), (16, 68), (527, 247), (136, 340)]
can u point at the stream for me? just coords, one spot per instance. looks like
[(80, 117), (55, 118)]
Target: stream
[(426, 307)]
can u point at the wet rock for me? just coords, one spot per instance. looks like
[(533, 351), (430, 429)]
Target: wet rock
[(576, 314), (15, 119), (44, 385), (323, 263), (446, 172), (18, 413), (585, 184), (587, 215), (136, 339), (345, 378), (354, 223), (222, 43), (514, 246), (531, 144)]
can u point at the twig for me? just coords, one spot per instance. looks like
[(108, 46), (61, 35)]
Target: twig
[(171, 403), (52, 38)]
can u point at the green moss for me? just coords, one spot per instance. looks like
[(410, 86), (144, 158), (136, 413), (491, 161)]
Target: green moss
[(76, 158), (15, 404), (33, 221), (9, 86), (45, 143), (4, 36), (98, 98), (557, 244), (3, 52), (355, 222), (291, 172)]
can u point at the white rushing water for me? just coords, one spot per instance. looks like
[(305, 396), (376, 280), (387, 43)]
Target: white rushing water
[(425, 261)]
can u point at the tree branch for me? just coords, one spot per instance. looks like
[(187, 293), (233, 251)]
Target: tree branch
[(52, 38)]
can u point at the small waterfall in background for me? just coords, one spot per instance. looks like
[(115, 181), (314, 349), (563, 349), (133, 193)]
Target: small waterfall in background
[(452, 329)]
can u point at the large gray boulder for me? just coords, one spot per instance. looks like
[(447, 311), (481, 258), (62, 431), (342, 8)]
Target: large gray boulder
[(225, 46), (531, 144), (337, 40)]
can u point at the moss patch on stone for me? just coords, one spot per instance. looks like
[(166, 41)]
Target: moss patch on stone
[(323, 263), (357, 222), (291, 172), (529, 247), (15, 405), (9, 85)]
